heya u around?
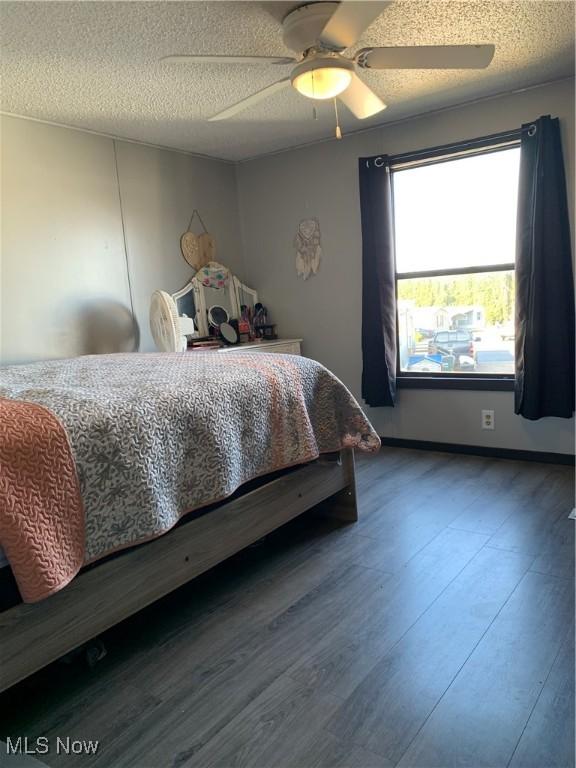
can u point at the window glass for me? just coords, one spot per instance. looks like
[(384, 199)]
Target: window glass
[(457, 213), (456, 219), (477, 311)]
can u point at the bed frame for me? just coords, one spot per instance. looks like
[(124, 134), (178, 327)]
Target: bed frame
[(34, 635)]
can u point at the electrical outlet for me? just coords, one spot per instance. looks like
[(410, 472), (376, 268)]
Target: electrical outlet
[(487, 419)]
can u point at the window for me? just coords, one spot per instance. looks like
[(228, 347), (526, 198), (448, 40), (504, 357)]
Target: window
[(455, 229)]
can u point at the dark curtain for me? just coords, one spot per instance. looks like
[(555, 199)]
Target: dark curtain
[(378, 283), (544, 282)]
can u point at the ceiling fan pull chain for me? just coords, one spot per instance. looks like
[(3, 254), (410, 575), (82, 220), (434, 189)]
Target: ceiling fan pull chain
[(338, 131)]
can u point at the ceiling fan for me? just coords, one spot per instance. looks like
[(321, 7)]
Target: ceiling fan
[(318, 33)]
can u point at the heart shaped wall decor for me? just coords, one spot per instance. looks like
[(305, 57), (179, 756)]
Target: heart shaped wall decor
[(190, 247)]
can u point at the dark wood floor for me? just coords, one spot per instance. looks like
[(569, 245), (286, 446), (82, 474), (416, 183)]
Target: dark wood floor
[(437, 631)]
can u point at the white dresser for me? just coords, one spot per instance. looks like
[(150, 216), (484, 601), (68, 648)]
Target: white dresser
[(282, 346)]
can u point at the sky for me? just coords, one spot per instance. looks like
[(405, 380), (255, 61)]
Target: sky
[(460, 213)]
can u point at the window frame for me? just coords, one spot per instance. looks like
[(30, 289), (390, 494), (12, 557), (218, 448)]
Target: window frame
[(500, 382)]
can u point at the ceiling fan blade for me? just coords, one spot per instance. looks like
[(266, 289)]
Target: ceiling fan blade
[(360, 99), (349, 21), (426, 57), (192, 59), (260, 95)]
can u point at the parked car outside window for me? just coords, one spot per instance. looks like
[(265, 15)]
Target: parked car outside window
[(459, 344)]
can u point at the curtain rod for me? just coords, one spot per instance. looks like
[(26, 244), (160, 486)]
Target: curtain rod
[(481, 141)]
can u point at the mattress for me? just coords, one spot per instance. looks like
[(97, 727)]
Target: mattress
[(101, 453)]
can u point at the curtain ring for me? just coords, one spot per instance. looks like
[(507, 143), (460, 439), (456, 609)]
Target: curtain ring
[(378, 164), (532, 130)]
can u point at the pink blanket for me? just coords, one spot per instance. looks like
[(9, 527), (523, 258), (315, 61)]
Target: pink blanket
[(41, 514)]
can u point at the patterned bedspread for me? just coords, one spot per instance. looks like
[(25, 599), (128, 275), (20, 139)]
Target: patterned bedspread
[(151, 437)]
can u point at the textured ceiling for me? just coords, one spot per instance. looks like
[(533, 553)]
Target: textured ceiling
[(96, 65)]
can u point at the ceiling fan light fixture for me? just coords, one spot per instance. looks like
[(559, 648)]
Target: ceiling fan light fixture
[(322, 79)]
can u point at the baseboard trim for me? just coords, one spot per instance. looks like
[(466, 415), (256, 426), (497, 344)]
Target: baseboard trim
[(568, 459)]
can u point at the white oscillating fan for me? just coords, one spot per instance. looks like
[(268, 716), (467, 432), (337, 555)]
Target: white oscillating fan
[(169, 329)]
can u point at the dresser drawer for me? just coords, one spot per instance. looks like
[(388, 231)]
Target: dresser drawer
[(280, 346)]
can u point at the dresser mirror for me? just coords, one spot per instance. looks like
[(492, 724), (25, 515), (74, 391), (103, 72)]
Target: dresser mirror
[(246, 297), (214, 288), (184, 299)]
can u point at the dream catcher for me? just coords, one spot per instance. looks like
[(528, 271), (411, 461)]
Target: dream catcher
[(308, 248)]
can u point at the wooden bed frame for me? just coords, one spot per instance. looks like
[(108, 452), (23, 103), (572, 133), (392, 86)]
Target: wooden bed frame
[(31, 636)]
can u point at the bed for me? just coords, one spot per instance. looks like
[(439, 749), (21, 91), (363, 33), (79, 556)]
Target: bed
[(122, 478)]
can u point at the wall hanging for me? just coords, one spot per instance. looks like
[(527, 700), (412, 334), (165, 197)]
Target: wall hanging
[(308, 248), (197, 250)]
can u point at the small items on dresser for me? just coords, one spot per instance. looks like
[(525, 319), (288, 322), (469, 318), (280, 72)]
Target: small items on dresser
[(245, 324), (269, 331), (210, 342), (260, 315), (228, 333), (262, 328), (216, 316)]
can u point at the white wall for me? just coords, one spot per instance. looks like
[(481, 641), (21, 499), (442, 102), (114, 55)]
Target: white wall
[(67, 281), (322, 180), (159, 191), (62, 245)]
